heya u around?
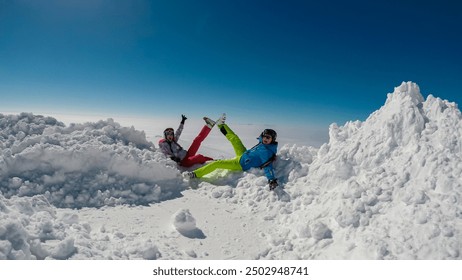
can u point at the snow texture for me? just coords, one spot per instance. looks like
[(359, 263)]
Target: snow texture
[(385, 188)]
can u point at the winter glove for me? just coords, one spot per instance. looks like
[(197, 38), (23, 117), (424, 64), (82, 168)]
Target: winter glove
[(176, 159), (183, 119), (273, 184)]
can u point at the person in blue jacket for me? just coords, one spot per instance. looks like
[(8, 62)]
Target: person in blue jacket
[(261, 155)]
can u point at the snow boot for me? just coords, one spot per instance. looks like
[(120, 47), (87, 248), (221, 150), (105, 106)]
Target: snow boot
[(210, 123), (221, 120), (189, 175)]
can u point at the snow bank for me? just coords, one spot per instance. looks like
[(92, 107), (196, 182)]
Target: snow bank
[(82, 165), (44, 164), (389, 187)]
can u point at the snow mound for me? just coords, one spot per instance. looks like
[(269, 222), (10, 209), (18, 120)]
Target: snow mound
[(389, 187), (82, 165)]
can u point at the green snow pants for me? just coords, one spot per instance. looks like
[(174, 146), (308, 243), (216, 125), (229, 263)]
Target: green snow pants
[(231, 164)]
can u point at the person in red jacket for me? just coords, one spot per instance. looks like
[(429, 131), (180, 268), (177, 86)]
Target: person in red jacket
[(186, 158)]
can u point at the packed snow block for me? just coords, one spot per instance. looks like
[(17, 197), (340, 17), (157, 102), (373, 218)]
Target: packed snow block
[(185, 224)]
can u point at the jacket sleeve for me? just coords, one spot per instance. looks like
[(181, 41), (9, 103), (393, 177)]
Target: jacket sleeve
[(269, 171), (179, 131)]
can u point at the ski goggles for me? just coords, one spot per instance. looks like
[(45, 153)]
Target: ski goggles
[(267, 136), (169, 131)]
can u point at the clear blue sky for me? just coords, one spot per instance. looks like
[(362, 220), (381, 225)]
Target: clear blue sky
[(259, 61)]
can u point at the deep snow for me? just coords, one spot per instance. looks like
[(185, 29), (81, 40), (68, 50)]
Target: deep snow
[(386, 188)]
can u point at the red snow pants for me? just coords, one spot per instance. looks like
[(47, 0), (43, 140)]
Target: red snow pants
[(191, 158)]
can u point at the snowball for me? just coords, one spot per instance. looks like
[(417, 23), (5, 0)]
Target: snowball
[(185, 224)]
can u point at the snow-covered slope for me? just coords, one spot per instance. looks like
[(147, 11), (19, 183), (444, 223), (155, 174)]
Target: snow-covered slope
[(386, 188)]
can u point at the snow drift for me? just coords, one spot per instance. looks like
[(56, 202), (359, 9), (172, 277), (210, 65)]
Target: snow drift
[(389, 187), (83, 165), (386, 188)]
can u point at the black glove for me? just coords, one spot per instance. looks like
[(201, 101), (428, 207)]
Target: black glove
[(176, 159), (183, 118), (273, 184)]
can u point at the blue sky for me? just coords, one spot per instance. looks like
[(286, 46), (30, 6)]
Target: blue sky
[(298, 62)]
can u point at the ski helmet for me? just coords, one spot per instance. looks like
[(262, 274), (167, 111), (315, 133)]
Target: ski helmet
[(271, 133), (168, 131)]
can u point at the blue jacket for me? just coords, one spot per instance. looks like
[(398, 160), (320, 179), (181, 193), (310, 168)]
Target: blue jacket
[(257, 156)]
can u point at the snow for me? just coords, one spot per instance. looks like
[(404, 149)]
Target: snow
[(388, 187)]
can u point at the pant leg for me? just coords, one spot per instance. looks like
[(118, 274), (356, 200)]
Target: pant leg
[(197, 141), (231, 164), (239, 148), (197, 159)]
